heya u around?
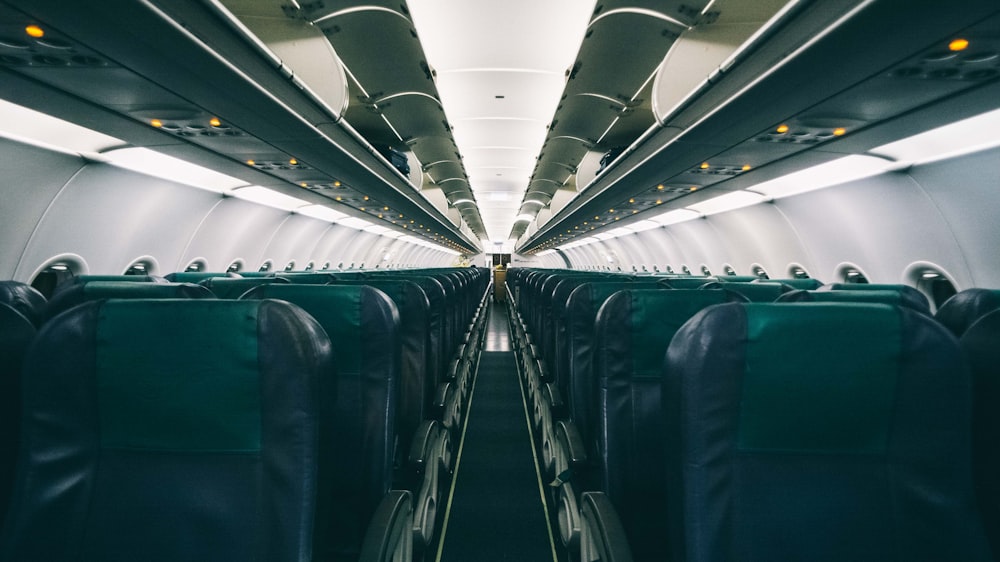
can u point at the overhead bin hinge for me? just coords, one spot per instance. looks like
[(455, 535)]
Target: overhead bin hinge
[(301, 10), (697, 17)]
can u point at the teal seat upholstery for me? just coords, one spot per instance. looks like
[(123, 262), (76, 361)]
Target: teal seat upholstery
[(792, 438), (75, 294), (357, 434), (876, 296), (165, 430), (632, 332), (234, 287)]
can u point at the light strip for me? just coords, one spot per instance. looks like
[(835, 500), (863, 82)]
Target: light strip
[(268, 197), (955, 139), (158, 165), (320, 212), (28, 126)]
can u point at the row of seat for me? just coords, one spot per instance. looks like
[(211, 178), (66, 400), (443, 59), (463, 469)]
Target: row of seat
[(386, 429), (609, 426)]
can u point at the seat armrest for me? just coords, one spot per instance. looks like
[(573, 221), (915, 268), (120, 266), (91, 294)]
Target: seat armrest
[(440, 400), (569, 436), (554, 398), (605, 537), (422, 445), (390, 533)]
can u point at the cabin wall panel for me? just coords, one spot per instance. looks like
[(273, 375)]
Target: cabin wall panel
[(758, 234), (297, 239), (698, 242), (967, 194), (109, 215), (881, 224), (331, 244), (30, 178), (235, 229)]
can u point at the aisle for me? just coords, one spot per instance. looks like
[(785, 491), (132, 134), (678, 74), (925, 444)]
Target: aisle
[(496, 512)]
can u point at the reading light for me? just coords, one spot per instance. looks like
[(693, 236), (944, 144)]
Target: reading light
[(956, 45), (336, 184), (704, 165), (839, 131), (746, 167), (250, 162), (293, 161), (34, 31), (782, 129), (660, 187), (156, 123), (215, 122)]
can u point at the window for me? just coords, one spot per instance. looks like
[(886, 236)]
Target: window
[(326, 266), (670, 269), (140, 267), (729, 270), (196, 265), (685, 270), (310, 266), (932, 281), (266, 266), (235, 267), (852, 275), (706, 271), (759, 271), (49, 279), (290, 266), (796, 271)]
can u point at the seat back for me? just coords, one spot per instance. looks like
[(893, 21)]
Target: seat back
[(964, 308), (872, 296), (234, 287), (357, 434), (416, 385), (792, 437), (981, 344), (908, 292), (197, 276), (16, 334), (754, 292), (169, 430), (25, 299), (633, 329), (79, 293)]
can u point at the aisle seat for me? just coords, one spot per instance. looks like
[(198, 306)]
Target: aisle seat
[(632, 332), (182, 430), (363, 326), (791, 438)]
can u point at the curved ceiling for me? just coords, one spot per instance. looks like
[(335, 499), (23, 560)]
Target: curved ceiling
[(501, 68)]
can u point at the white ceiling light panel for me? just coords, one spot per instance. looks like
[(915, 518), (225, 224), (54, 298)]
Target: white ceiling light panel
[(500, 100)]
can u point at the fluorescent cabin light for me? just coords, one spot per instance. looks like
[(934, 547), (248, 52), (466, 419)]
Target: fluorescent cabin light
[(835, 172), (676, 216), (354, 222), (156, 164), (605, 235), (955, 139), (644, 225), (33, 127), (728, 202), (268, 197), (500, 100), (376, 229), (320, 212)]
